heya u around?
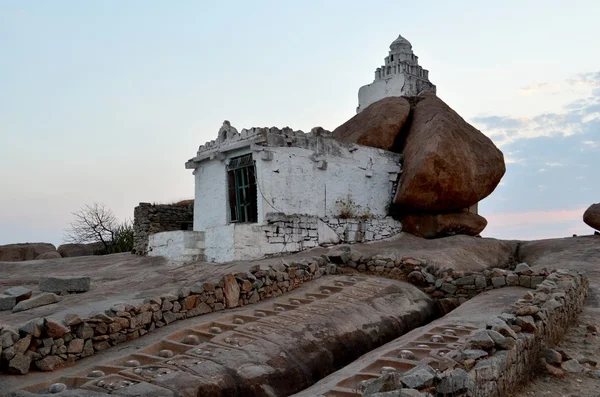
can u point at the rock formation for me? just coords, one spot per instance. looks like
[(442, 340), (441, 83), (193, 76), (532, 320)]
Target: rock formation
[(442, 225), (24, 251), (377, 125), (448, 164), (73, 250), (49, 255), (592, 216)]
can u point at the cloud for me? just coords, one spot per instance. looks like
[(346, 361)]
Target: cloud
[(542, 170), (532, 88), (573, 119), (554, 164)]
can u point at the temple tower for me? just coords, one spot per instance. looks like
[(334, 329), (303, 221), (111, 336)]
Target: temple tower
[(400, 75)]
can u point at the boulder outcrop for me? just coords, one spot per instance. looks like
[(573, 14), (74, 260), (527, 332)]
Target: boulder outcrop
[(376, 126), (444, 224), (591, 216), (73, 250), (24, 251), (448, 164)]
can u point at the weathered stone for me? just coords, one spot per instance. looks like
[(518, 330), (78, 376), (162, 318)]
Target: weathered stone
[(8, 337), (481, 339), (75, 346), (231, 290), (19, 364), (419, 377), (527, 323), (523, 269), (42, 299), (389, 381), (20, 293), (72, 319), (33, 327), (448, 164), (552, 356), (572, 366), (22, 344), (7, 302), (441, 225), (453, 382), (84, 331), (554, 371), (498, 282), (591, 216), (49, 255), (448, 288), (48, 363), (64, 284), (378, 125)]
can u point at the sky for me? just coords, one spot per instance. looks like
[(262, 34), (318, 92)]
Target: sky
[(105, 101)]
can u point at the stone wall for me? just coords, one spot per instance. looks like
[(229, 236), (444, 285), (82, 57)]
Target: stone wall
[(154, 218), (494, 361), (45, 343)]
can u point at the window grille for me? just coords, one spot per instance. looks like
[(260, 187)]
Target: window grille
[(241, 184)]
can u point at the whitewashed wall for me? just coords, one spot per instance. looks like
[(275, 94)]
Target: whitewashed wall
[(382, 88), (293, 183)]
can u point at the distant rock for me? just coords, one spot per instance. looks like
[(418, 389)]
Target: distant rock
[(443, 225), (592, 216), (448, 164), (376, 126), (49, 255), (24, 251), (74, 250)]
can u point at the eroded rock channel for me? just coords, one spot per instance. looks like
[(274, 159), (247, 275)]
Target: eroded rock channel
[(275, 349)]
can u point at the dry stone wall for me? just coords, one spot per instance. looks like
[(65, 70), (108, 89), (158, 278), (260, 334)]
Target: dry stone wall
[(154, 218), (45, 343), (493, 361), (293, 233)]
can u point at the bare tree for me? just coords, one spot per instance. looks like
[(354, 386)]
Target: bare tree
[(93, 223)]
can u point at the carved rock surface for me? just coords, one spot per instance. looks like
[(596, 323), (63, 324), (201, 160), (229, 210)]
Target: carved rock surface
[(24, 252), (442, 225), (592, 216), (376, 126), (448, 164)]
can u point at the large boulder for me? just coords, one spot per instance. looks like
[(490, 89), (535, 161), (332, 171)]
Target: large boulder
[(73, 250), (24, 251), (376, 126), (448, 164), (443, 225), (591, 216)]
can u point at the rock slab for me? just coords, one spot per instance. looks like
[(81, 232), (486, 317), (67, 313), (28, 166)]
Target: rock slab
[(64, 284), (448, 164), (376, 126), (36, 301), (20, 293), (7, 302)]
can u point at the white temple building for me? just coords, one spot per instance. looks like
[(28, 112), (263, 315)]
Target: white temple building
[(400, 75)]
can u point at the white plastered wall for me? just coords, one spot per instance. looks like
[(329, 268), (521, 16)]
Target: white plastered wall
[(293, 182)]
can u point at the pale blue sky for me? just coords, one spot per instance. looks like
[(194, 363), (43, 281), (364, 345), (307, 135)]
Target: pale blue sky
[(105, 101)]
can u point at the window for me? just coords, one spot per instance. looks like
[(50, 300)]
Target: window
[(241, 185)]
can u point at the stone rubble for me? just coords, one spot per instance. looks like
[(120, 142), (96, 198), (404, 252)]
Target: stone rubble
[(60, 285)]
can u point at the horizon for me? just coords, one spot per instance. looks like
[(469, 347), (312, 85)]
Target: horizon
[(105, 102)]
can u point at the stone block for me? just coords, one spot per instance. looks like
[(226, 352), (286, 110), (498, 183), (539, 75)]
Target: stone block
[(64, 284), (499, 281), (20, 293), (36, 301), (7, 302)]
